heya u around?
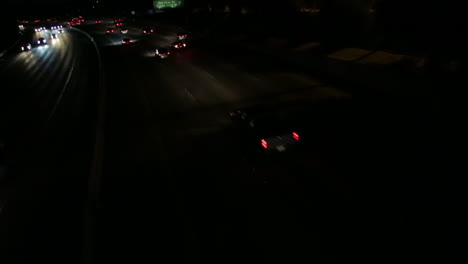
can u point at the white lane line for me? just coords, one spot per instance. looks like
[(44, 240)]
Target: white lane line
[(190, 95)]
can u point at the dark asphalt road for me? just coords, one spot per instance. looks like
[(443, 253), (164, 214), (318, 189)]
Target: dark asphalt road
[(48, 105), (176, 184)]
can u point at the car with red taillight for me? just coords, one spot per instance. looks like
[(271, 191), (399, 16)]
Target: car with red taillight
[(162, 53), (266, 131), (126, 41), (148, 31), (179, 45), (182, 35)]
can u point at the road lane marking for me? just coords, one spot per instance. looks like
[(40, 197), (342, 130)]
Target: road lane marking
[(191, 95)]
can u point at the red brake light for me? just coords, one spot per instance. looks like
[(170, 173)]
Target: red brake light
[(264, 144), (295, 135), (168, 53)]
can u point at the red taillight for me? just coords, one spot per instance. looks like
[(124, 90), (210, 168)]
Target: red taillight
[(168, 53), (185, 45), (295, 135), (264, 144)]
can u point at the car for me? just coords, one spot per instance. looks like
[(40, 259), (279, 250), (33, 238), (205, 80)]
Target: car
[(39, 29), (60, 31), (148, 31), (118, 24), (266, 131), (179, 45), (300, 126), (162, 53), (26, 47), (41, 41), (182, 35), (126, 41), (117, 20), (98, 21), (109, 30), (124, 31), (53, 36)]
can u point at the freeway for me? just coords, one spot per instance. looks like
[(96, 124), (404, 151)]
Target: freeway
[(175, 182), (48, 119)]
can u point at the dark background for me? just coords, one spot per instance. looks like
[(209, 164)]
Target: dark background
[(417, 26)]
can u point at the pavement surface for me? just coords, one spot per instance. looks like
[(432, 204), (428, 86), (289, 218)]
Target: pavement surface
[(176, 182), (48, 104)]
